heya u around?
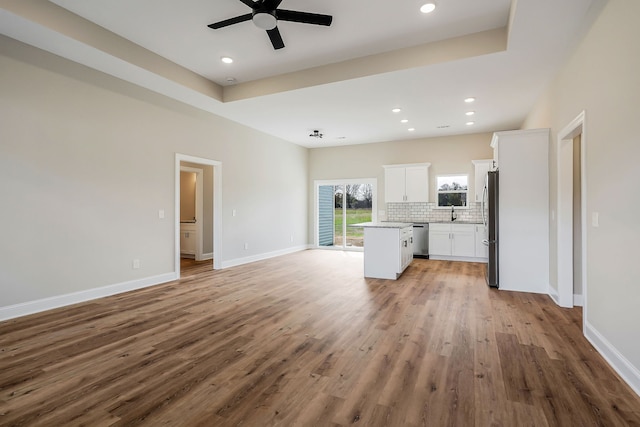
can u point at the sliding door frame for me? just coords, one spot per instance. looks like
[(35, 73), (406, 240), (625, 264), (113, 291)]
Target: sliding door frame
[(316, 219)]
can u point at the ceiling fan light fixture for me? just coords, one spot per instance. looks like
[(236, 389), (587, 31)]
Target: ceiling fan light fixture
[(264, 20), (226, 59), (428, 7)]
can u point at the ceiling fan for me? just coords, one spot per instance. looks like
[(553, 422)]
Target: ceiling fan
[(265, 15)]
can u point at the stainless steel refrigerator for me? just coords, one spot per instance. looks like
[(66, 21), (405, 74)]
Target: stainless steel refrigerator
[(490, 220)]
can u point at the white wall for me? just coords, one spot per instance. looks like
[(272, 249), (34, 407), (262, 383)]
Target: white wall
[(602, 78), (86, 162)]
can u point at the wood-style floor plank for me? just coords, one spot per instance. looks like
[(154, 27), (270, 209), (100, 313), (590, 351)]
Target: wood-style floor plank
[(305, 340)]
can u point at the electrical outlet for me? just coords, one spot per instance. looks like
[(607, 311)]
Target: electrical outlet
[(136, 263), (161, 213)]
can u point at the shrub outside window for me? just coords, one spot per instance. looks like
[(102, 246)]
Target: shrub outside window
[(452, 190)]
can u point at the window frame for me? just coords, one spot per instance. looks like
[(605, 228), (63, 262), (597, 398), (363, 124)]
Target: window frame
[(465, 191)]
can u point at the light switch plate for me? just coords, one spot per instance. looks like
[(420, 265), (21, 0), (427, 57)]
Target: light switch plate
[(595, 219), (161, 213)]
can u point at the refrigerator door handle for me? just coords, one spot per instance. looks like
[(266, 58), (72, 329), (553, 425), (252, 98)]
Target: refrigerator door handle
[(484, 202)]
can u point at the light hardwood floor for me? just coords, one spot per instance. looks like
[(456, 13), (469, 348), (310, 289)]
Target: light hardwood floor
[(305, 340)]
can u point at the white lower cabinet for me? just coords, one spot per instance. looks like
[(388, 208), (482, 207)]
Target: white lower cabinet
[(450, 240), (188, 233), (387, 251)]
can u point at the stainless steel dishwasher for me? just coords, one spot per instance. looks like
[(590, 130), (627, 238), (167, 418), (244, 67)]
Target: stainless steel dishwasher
[(421, 240)]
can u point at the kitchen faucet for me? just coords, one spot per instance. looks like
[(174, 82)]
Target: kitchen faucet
[(453, 214)]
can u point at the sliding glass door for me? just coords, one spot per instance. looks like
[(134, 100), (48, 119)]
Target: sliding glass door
[(339, 204)]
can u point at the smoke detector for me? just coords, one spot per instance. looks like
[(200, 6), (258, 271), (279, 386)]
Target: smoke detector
[(315, 134)]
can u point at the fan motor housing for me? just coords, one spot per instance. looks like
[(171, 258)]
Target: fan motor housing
[(265, 19)]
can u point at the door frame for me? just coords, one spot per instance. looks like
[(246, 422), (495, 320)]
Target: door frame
[(199, 208), (565, 211), (374, 207), (217, 208)]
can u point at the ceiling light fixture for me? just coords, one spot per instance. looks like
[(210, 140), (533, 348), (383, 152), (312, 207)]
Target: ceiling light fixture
[(316, 134), (226, 59), (404, 121), (396, 110), (428, 7), (469, 100), (471, 123), (470, 113), (411, 129), (265, 20)]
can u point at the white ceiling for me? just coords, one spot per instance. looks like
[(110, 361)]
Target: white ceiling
[(355, 108)]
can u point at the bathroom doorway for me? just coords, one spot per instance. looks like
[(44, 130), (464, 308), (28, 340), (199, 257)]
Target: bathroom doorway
[(198, 208)]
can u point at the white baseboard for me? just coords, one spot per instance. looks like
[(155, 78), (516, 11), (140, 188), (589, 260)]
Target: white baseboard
[(260, 257), (553, 293), (31, 307), (629, 373), (457, 258), (578, 300), (207, 256)]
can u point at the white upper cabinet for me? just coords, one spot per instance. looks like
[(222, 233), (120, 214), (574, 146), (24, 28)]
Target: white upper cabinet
[(394, 185), (406, 183), (481, 168)]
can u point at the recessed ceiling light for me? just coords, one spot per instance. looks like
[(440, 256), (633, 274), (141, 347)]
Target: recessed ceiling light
[(226, 59), (471, 123), (396, 110), (411, 129), (470, 113), (404, 121), (469, 100), (428, 7)]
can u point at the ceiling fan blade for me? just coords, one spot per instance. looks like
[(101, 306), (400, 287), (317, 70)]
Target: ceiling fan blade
[(303, 17), (249, 3), (276, 38), (231, 21), (271, 4)]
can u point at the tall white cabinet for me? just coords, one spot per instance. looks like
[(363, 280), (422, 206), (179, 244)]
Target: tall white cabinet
[(522, 158)]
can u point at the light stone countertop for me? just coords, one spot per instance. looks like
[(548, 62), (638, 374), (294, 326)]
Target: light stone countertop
[(383, 224)]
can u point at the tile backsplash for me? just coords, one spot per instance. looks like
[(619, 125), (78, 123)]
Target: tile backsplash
[(427, 212)]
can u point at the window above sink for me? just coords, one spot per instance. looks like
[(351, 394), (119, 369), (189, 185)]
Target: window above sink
[(452, 190)]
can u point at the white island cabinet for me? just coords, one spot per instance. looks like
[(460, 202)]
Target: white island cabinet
[(387, 248)]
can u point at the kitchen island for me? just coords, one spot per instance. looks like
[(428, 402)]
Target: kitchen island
[(387, 248)]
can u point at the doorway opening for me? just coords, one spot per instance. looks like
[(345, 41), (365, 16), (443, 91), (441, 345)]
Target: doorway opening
[(339, 205), (572, 213), (198, 213)]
